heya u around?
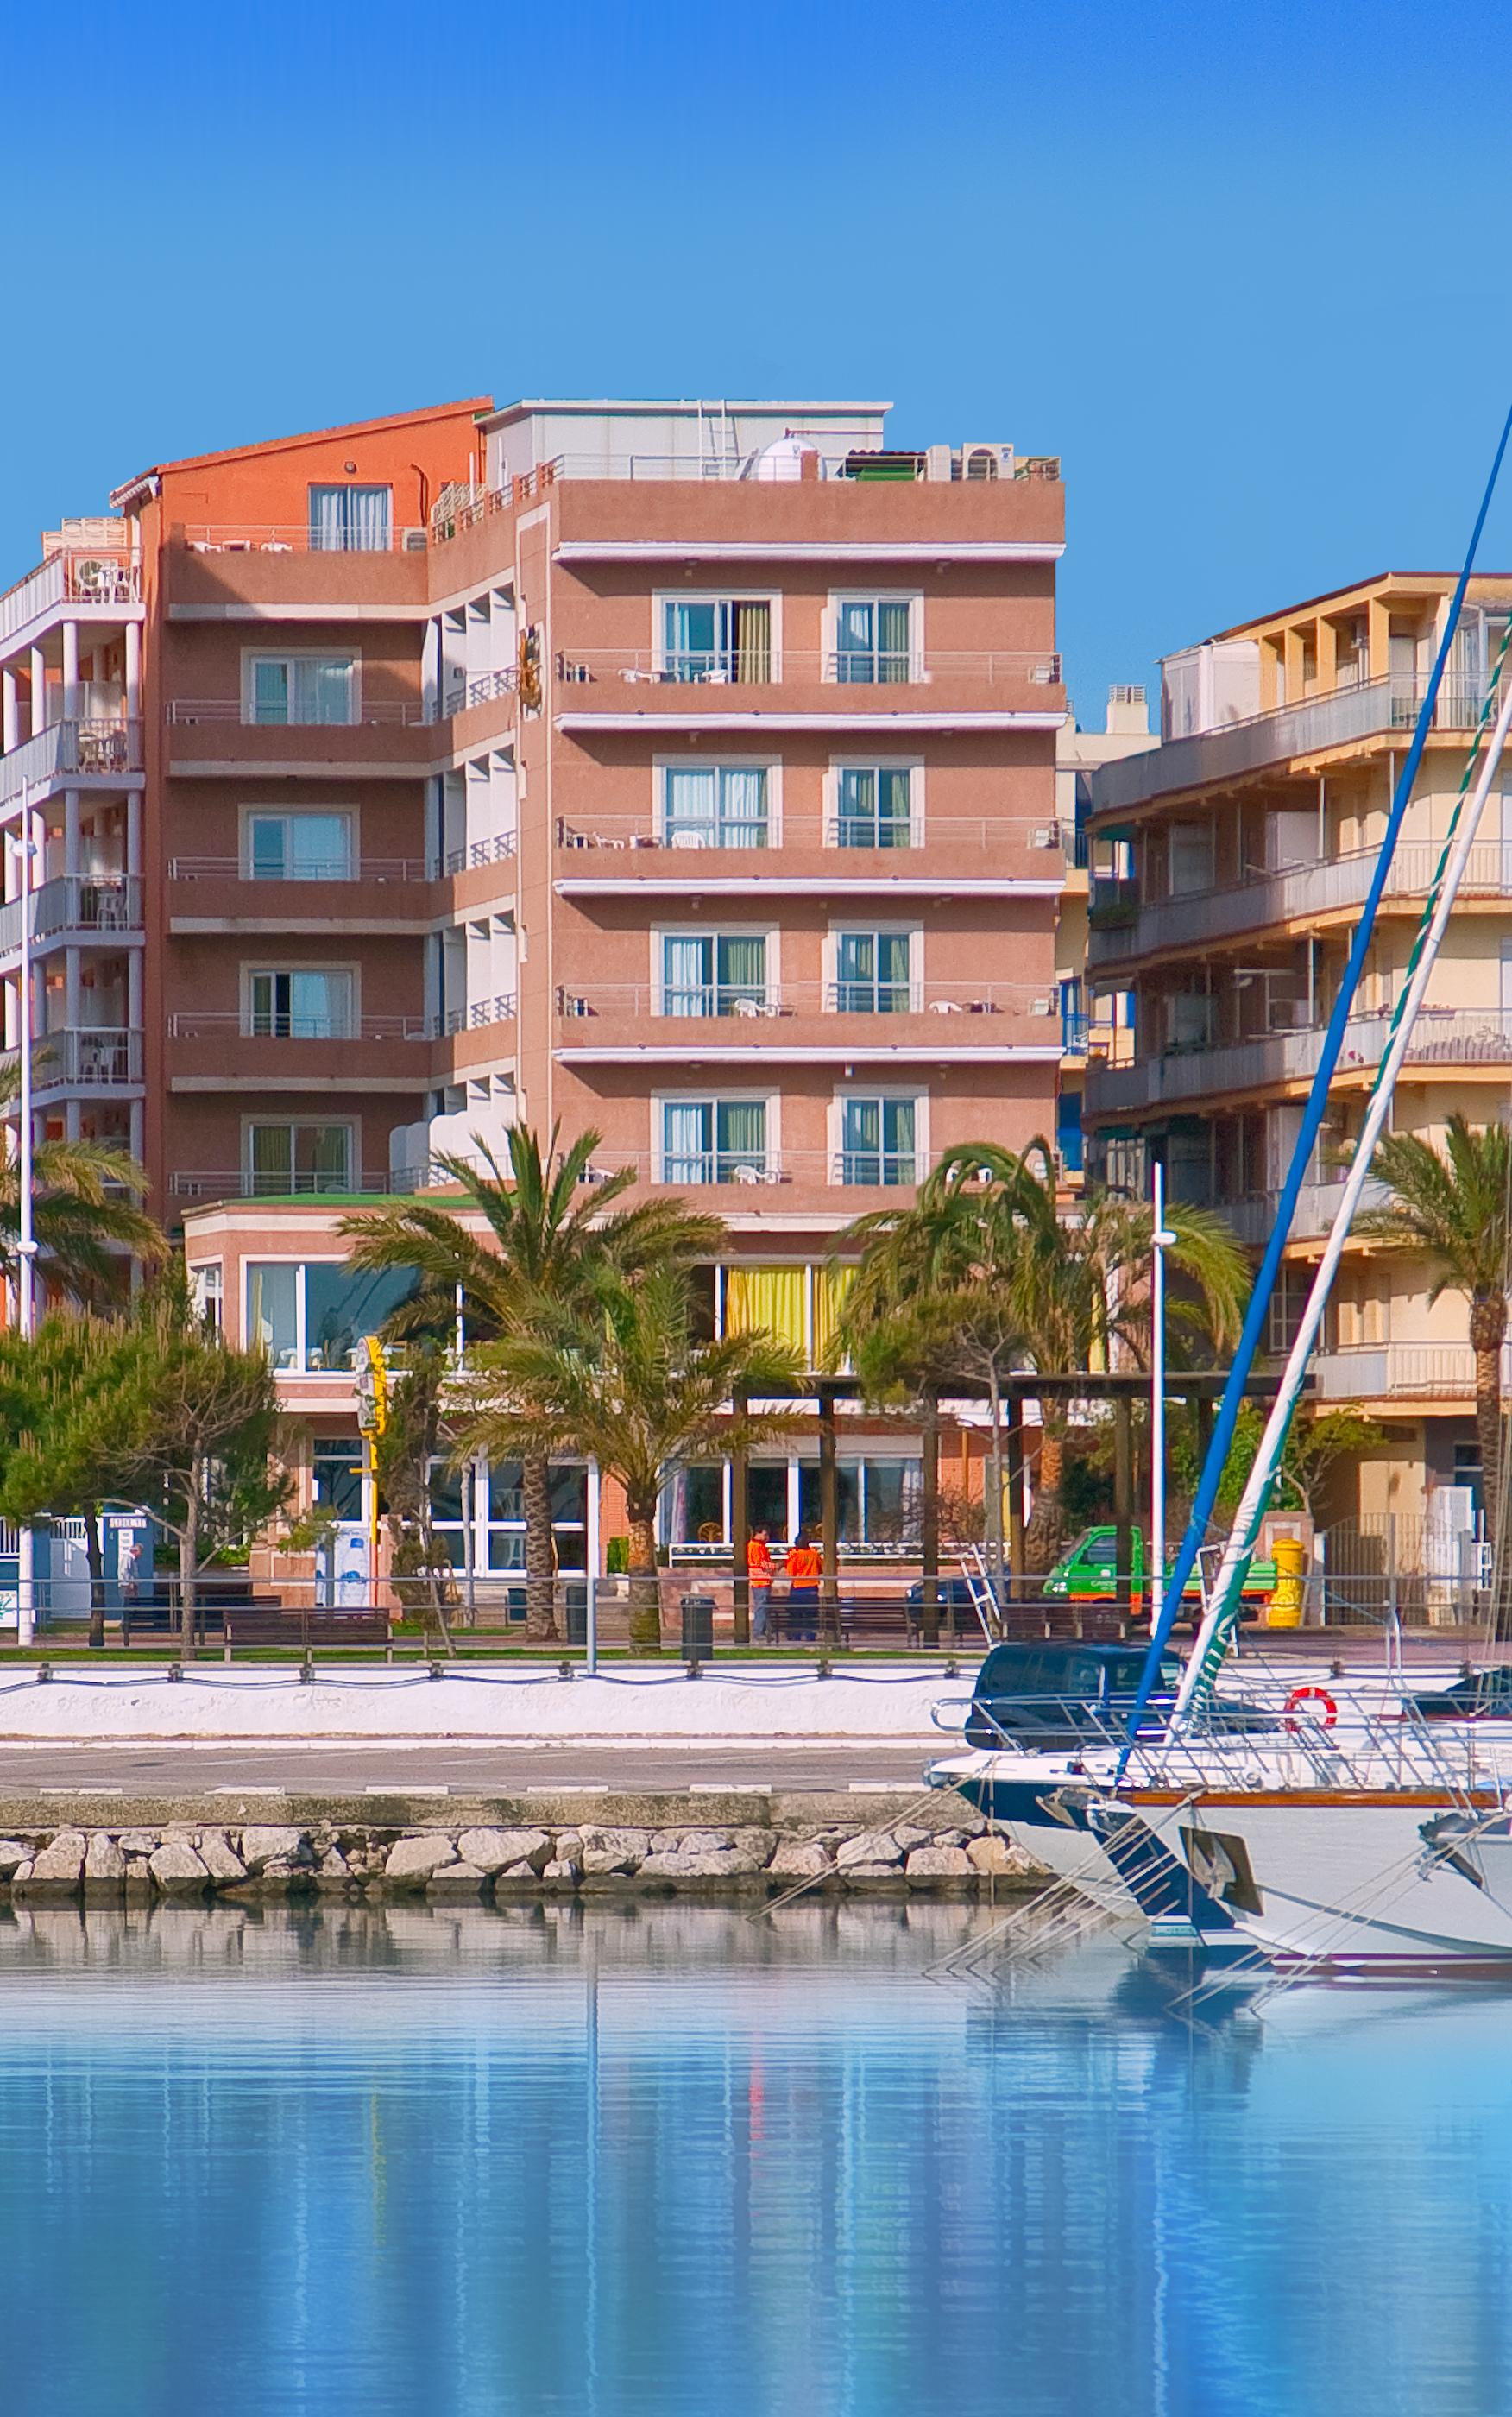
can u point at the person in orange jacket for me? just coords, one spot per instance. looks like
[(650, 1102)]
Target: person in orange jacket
[(804, 1568), (759, 1570)]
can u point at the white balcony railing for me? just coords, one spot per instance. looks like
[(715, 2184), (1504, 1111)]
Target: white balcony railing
[(76, 576), (1253, 1217), (1402, 1371), (1328, 885), (767, 666), (1343, 715), (734, 1005), (99, 1058), (1001, 836), (105, 904), (75, 750), (377, 870), (1447, 1036)]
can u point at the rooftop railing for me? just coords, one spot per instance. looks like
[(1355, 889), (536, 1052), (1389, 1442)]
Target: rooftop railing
[(82, 575), (294, 536), (862, 463)]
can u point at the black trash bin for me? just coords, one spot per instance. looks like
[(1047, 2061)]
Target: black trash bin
[(698, 1627), (576, 1609)]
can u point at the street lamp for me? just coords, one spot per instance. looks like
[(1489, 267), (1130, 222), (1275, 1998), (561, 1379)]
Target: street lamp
[(1161, 1241), (26, 1239)]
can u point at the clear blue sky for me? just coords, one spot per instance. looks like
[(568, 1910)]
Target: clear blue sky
[(1245, 270)]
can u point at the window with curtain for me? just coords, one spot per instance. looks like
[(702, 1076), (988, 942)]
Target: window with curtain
[(712, 973), (351, 520), (313, 1003), (775, 1299), (273, 1310), (719, 639), (832, 1288), (875, 806), (300, 848), (872, 973), (877, 1141), (714, 805), (287, 1158), (290, 689), (713, 1141), (872, 638)]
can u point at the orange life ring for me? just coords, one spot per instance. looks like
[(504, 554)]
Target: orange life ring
[(1300, 1696)]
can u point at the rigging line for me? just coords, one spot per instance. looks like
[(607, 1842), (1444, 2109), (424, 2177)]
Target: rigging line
[(1206, 1500)]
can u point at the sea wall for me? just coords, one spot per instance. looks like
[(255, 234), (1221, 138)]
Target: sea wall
[(506, 1852)]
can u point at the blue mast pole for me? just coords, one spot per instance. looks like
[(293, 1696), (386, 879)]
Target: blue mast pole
[(1333, 1042)]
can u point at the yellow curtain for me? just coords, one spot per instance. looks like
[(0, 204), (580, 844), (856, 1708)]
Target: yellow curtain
[(776, 1298), (831, 1285)]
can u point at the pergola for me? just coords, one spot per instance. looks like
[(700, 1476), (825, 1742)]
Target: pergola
[(1202, 1387)]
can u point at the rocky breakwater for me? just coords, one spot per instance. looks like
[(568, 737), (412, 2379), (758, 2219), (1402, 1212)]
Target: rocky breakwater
[(185, 1861)]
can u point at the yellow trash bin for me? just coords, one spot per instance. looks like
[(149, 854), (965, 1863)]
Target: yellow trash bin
[(1284, 1609)]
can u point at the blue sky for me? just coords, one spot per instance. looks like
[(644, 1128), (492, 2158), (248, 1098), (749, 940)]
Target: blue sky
[(1244, 269)]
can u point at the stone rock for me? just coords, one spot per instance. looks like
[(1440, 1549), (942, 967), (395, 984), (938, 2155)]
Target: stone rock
[(701, 1863), (262, 1846), (140, 1842), (59, 1867), (940, 1864), (22, 1873), (520, 1876), (104, 1867), (457, 1883), (909, 1837), (893, 1872), (564, 1870), (689, 1842), (623, 1849), (801, 1859), (995, 1853), (219, 1858), (569, 1844), (412, 1861), (605, 1862), (13, 1855), (874, 1849), (495, 1850), (177, 1869)]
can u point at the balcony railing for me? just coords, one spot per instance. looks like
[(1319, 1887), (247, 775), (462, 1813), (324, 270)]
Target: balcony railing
[(772, 667), (1371, 710), (203, 1024), (245, 1184), (983, 834), (1424, 1370), (476, 1016), (374, 713), (1329, 885), (91, 1057), (77, 749), (378, 869), (476, 852), (750, 1003), (1253, 1217), (99, 903), (1443, 1036), (81, 576), (293, 536), (465, 508)]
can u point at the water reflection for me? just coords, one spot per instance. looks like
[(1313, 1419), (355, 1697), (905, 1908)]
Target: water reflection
[(669, 2160)]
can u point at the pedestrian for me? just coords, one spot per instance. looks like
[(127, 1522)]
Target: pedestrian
[(759, 1572), (802, 1588), (131, 1570)]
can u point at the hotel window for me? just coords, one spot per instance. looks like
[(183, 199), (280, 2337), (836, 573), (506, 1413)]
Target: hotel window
[(311, 1003), (207, 1286), (877, 1501), (874, 806), (717, 638), (284, 689), (873, 639), (288, 1158), (315, 1314), (872, 973), (877, 1140), (714, 1141), (351, 520), (715, 805), (298, 847), (713, 973)]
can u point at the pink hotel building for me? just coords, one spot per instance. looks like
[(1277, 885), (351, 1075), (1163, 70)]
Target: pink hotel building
[(684, 771)]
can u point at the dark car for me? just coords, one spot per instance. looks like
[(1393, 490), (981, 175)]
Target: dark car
[(1055, 1697), (1479, 1695)]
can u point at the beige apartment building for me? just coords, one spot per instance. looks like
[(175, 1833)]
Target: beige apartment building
[(682, 772), (1229, 868)]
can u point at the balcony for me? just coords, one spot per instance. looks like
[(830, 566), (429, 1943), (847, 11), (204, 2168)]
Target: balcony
[(1462, 1040), (787, 688), (1254, 1218), (993, 856), (1344, 717), (798, 1176), (102, 1058), (218, 1050), (800, 1023), (1300, 893), (85, 582), (1403, 1371), (93, 754), (381, 894), (69, 909)]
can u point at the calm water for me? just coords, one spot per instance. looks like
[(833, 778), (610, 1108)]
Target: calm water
[(671, 2162)]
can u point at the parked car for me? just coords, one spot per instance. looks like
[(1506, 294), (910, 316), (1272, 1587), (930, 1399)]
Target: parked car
[(1089, 1574)]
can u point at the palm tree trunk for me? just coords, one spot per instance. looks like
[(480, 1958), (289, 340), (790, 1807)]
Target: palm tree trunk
[(646, 1586), (97, 1581), (1044, 1539), (541, 1559)]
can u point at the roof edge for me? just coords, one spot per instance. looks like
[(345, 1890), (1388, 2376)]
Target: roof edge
[(473, 406)]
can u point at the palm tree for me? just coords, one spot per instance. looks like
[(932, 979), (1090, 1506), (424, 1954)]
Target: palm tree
[(1451, 1206), (85, 1197), (549, 1237), (630, 1385), (985, 1266)]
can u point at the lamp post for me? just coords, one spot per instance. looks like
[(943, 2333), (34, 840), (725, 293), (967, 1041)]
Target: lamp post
[(1161, 1241), (26, 1239)]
